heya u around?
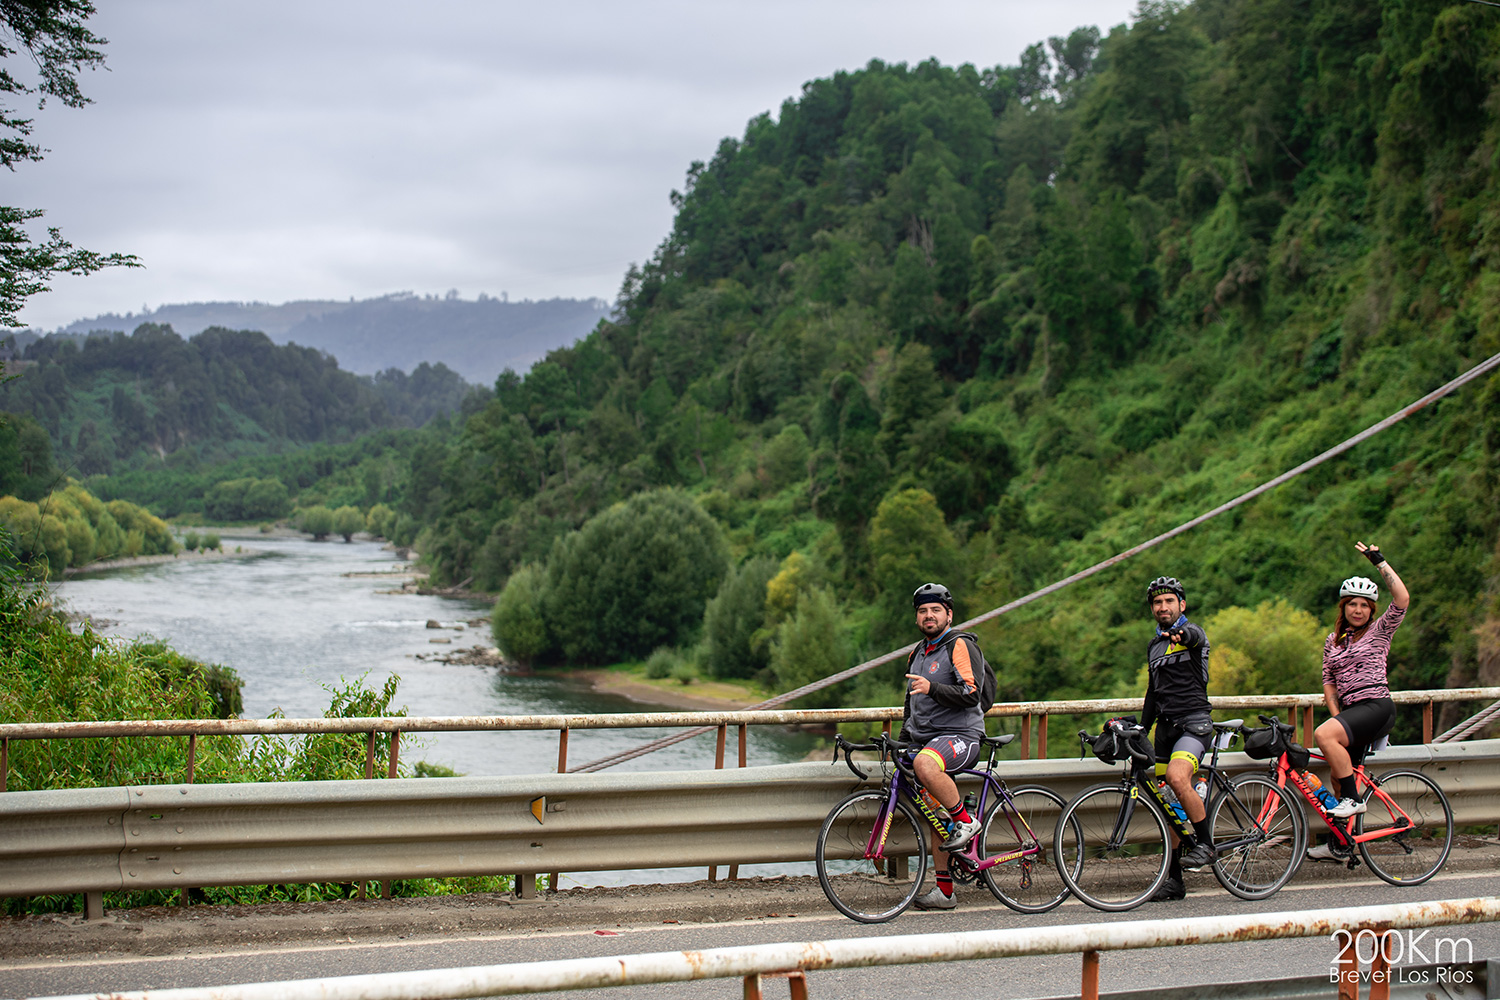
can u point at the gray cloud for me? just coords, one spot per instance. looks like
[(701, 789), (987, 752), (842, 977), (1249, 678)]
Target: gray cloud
[(279, 150)]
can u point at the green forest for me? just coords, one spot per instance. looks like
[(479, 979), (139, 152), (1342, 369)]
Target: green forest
[(989, 326), (155, 402)]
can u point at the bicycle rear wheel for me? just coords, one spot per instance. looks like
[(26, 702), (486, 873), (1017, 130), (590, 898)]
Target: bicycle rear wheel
[(870, 890), (1258, 832), (1108, 861), (1030, 883), (1414, 855)]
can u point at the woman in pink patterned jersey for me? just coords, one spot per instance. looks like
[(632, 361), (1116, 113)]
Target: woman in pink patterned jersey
[(1354, 677)]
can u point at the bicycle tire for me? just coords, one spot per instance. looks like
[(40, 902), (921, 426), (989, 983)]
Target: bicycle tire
[(1122, 878), (870, 890), (1028, 884), (1267, 824), (1413, 857)]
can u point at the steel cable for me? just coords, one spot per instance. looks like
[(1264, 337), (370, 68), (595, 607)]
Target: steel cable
[(843, 675)]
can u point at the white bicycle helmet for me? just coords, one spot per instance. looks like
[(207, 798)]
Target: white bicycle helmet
[(1360, 586)]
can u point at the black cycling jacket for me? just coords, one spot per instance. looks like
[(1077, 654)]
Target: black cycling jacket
[(1177, 687)]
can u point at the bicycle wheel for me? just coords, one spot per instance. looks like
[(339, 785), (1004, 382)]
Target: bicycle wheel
[(1257, 829), (1109, 862), (1027, 884), (1414, 855), (870, 890)]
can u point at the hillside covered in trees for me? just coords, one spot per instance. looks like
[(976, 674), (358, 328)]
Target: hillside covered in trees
[(152, 400), (992, 325)]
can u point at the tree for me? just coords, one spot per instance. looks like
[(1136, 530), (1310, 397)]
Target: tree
[(348, 520), (633, 578), (517, 623), (55, 40), (316, 521), (733, 617)]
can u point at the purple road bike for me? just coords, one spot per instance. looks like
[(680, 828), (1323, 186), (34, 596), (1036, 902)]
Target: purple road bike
[(872, 849)]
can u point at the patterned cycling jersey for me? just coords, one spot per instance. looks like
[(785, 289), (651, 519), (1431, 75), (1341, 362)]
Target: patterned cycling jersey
[(1177, 687), (1357, 670)]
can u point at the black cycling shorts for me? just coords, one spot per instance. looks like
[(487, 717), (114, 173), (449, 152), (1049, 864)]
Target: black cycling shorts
[(1187, 738), (954, 751), (1365, 722)]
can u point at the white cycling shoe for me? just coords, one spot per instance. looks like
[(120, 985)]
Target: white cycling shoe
[(934, 899), (1323, 852), (962, 834), (1347, 808)]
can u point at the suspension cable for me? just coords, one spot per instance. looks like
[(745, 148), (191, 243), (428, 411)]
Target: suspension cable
[(1480, 369)]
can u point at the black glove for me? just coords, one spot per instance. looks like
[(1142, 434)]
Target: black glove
[(1373, 554)]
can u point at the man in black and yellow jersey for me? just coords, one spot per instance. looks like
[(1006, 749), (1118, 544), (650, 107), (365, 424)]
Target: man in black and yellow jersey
[(1177, 701), (942, 712)]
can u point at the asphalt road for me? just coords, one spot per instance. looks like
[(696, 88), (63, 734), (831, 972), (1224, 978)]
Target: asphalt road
[(1027, 977)]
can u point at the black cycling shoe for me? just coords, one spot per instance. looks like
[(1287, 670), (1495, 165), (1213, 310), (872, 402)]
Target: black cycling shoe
[(1172, 889), (1199, 856)]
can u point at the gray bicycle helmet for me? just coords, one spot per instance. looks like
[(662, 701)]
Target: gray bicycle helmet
[(1360, 586), (932, 593), (1165, 585)]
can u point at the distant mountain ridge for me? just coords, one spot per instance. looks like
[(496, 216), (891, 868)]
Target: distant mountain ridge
[(476, 338)]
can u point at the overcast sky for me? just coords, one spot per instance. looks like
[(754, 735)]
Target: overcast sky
[(327, 148)]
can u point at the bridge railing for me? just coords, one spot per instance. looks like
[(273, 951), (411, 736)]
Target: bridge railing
[(1033, 715), (1372, 928)]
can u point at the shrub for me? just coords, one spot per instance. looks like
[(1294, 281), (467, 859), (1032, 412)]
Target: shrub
[(211, 540), (684, 672), (190, 541), (380, 520), (635, 577), (809, 646), (517, 623), (661, 663)]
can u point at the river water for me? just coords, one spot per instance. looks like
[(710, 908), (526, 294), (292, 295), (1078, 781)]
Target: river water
[(291, 619)]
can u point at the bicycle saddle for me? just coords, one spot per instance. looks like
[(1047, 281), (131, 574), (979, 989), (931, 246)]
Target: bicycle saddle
[(997, 741), (1229, 724)]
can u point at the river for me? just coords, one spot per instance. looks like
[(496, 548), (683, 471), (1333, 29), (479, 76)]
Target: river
[(291, 620)]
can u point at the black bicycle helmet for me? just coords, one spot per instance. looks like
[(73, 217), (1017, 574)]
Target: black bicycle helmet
[(932, 593), (1165, 585)]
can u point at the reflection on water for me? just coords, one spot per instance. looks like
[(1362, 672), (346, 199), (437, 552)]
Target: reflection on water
[(291, 622)]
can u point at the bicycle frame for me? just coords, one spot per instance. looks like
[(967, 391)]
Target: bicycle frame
[(898, 786), (1283, 773)]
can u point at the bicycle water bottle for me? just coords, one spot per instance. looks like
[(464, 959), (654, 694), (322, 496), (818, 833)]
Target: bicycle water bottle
[(1172, 802), (937, 808), (1327, 798), (1201, 788)]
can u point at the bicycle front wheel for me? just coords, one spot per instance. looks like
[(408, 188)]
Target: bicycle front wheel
[(1025, 827), (1416, 807), (1110, 848), (1257, 829), (870, 889)]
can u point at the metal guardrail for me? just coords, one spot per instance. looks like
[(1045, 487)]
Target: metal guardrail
[(180, 836), (754, 961), (1029, 712)]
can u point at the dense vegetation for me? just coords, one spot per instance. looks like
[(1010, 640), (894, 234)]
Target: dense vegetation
[(992, 325), (152, 401), (989, 326), (71, 527)]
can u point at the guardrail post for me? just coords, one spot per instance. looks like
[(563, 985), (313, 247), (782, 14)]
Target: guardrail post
[(1090, 975), (734, 870), (713, 870), (562, 768), (1380, 967), (752, 987), (1307, 727), (4, 762), (192, 756), (370, 755), (395, 761), (1026, 736), (1348, 966), (93, 906), (1041, 736), (1427, 722)]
